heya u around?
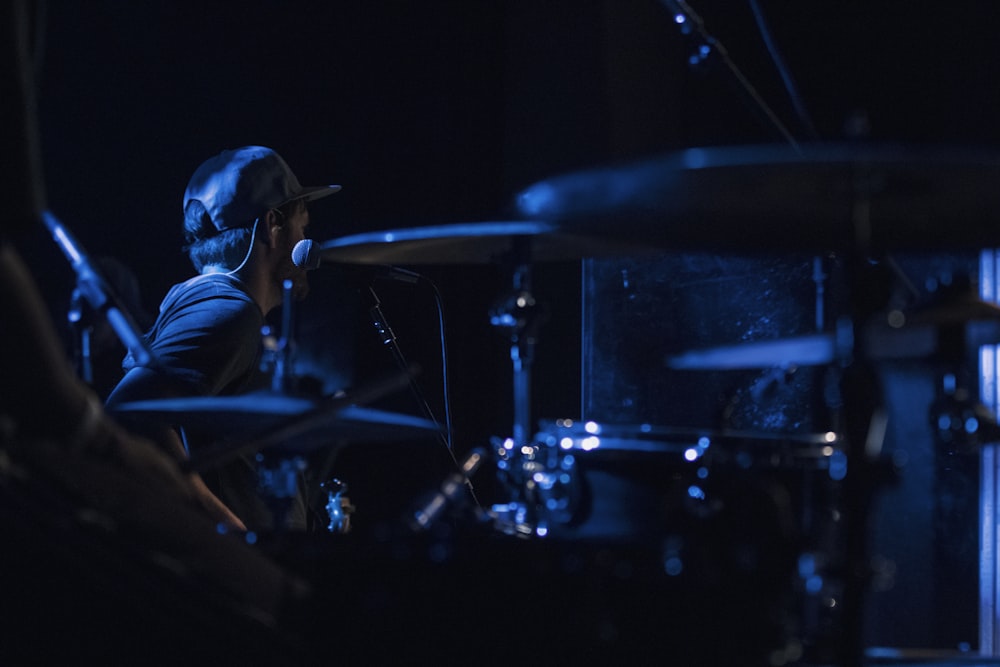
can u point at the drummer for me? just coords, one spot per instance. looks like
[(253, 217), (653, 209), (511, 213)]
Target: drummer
[(244, 211)]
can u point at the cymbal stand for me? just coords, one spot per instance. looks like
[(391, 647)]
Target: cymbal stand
[(864, 425), (281, 380), (519, 316)]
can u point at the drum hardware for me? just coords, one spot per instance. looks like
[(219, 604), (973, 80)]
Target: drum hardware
[(283, 354), (855, 200), (338, 506), (278, 482), (960, 423), (512, 244)]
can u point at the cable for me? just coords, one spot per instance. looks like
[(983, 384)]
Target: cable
[(445, 384), (389, 338), (691, 24), (783, 71)]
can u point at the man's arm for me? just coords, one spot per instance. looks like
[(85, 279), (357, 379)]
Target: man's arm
[(143, 384)]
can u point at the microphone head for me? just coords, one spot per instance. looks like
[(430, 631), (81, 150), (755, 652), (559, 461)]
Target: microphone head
[(306, 255)]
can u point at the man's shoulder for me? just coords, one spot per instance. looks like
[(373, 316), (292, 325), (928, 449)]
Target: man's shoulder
[(209, 286)]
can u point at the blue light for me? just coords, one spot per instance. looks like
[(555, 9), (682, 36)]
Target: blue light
[(673, 566), (838, 466), (696, 492), (971, 425), (251, 537), (680, 19), (536, 200), (807, 565), (814, 584)]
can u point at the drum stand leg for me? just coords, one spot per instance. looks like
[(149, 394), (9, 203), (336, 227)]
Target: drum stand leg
[(864, 425)]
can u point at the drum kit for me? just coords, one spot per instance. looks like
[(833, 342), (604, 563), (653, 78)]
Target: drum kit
[(654, 484)]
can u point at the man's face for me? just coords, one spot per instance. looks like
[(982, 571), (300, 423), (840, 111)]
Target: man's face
[(293, 231)]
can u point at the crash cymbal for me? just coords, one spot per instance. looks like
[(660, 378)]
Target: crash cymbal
[(823, 197), (808, 350), (472, 243), (251, 413)]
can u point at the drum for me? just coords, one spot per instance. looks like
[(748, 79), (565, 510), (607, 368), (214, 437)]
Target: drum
[(727, 514), (638, 482)]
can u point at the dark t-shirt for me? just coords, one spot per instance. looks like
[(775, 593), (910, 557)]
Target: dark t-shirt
[(207, 337)]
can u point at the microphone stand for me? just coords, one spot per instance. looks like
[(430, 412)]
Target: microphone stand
[(98, 293), (706, 45), (388, 338), (82, 338)]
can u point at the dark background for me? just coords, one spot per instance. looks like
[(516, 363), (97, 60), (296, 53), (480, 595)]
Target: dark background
[(441, 113), (431, 113)]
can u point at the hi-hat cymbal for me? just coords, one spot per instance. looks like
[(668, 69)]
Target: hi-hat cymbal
[(253, 412), (472, 243), (823, 197)]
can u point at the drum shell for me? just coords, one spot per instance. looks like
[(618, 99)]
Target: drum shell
[(715, 508)]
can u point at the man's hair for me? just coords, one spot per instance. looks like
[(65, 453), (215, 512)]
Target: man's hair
[(227, 249)]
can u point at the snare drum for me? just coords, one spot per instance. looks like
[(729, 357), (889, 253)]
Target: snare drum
[(640, 482)]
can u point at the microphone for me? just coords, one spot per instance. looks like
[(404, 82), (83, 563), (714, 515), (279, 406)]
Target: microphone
[(308, 255), (430, 511)]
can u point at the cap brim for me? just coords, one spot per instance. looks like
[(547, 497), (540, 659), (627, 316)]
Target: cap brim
[(318, 192)]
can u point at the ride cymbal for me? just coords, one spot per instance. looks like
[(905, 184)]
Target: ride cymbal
[(822, 197)]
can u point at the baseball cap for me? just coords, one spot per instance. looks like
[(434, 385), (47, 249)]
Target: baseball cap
[(237, 186)]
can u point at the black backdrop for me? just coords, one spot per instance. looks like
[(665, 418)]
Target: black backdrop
[(432, 113), (441, 112)]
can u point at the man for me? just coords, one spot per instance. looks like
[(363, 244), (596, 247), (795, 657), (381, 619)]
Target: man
[(244, 211)]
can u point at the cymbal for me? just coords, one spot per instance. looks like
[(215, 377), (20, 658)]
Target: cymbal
[(472, 243), (920, 334), (807, 350), (820, 197), (247, 413)]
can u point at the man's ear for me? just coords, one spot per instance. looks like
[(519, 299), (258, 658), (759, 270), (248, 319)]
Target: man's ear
[(272, 225)]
